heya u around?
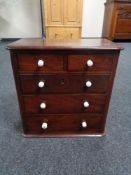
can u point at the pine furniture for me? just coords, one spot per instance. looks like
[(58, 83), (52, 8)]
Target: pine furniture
[(62, 19)]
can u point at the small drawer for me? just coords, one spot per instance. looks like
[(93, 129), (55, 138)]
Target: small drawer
[(63, 33), (99, 62), (55, 33), (123, 25), (64, 104), (64, 83), (33, 63), (63, 124), (73, 33), (124, 7)]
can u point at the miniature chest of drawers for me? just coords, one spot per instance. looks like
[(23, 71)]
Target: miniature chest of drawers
[(64, 87)]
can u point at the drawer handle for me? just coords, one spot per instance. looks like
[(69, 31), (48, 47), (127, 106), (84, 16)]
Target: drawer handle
[(88, 84), (44, 125), (84, 124), (86, 104), (41, 84), (56, 35), (71, 35), (89, 63), (40, 63), (43, 105)]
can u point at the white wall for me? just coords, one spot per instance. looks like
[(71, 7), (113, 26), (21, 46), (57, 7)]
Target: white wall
[(93, 15), (20, 19), (15, 23)]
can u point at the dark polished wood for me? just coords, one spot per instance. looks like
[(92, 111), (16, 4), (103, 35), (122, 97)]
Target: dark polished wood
[(79, 62), (117, 19), (63, 124), (65, 74), (49, 45), (29, 63), (64, 83), (64, 103)]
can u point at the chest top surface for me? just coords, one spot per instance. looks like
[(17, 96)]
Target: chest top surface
[(79, 44)]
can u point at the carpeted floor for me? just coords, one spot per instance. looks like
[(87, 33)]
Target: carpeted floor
[(109, 155)]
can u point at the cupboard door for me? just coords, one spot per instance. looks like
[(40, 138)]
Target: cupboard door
[(72, 12), (53, 12)]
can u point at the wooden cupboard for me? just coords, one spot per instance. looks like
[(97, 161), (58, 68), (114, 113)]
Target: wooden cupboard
[(62, 18), (117, 19)]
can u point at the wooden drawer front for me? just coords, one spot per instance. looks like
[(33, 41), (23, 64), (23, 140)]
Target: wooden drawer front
[(55, 33), (63, 124), (122, 35), (73, 33), (124, 6), (29, 63), (64, 103), (63, 33), (123, 25), (100, 62), (59, 83)]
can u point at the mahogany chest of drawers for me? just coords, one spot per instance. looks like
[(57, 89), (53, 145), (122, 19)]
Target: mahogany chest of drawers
[(64, 87)]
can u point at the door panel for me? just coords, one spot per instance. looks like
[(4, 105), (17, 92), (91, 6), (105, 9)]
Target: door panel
[(53, 12), (72, 12)]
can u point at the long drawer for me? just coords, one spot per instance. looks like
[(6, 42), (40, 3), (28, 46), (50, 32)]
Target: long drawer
[(63, 124), (64, 83), (63, 32), (60, 103)]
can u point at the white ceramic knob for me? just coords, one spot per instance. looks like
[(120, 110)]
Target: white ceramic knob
[(88, 84), (40, 63), (89, 63), (41, 84), (84, 124), (43, 105), (86, 104), (44, 125)]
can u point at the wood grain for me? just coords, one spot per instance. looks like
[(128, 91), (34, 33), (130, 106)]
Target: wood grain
[(62, 19), (60, 103), (117, 19), (29, 63), (63, 124), (64, 83), (101, 62), (80, 45), (64, 93)]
